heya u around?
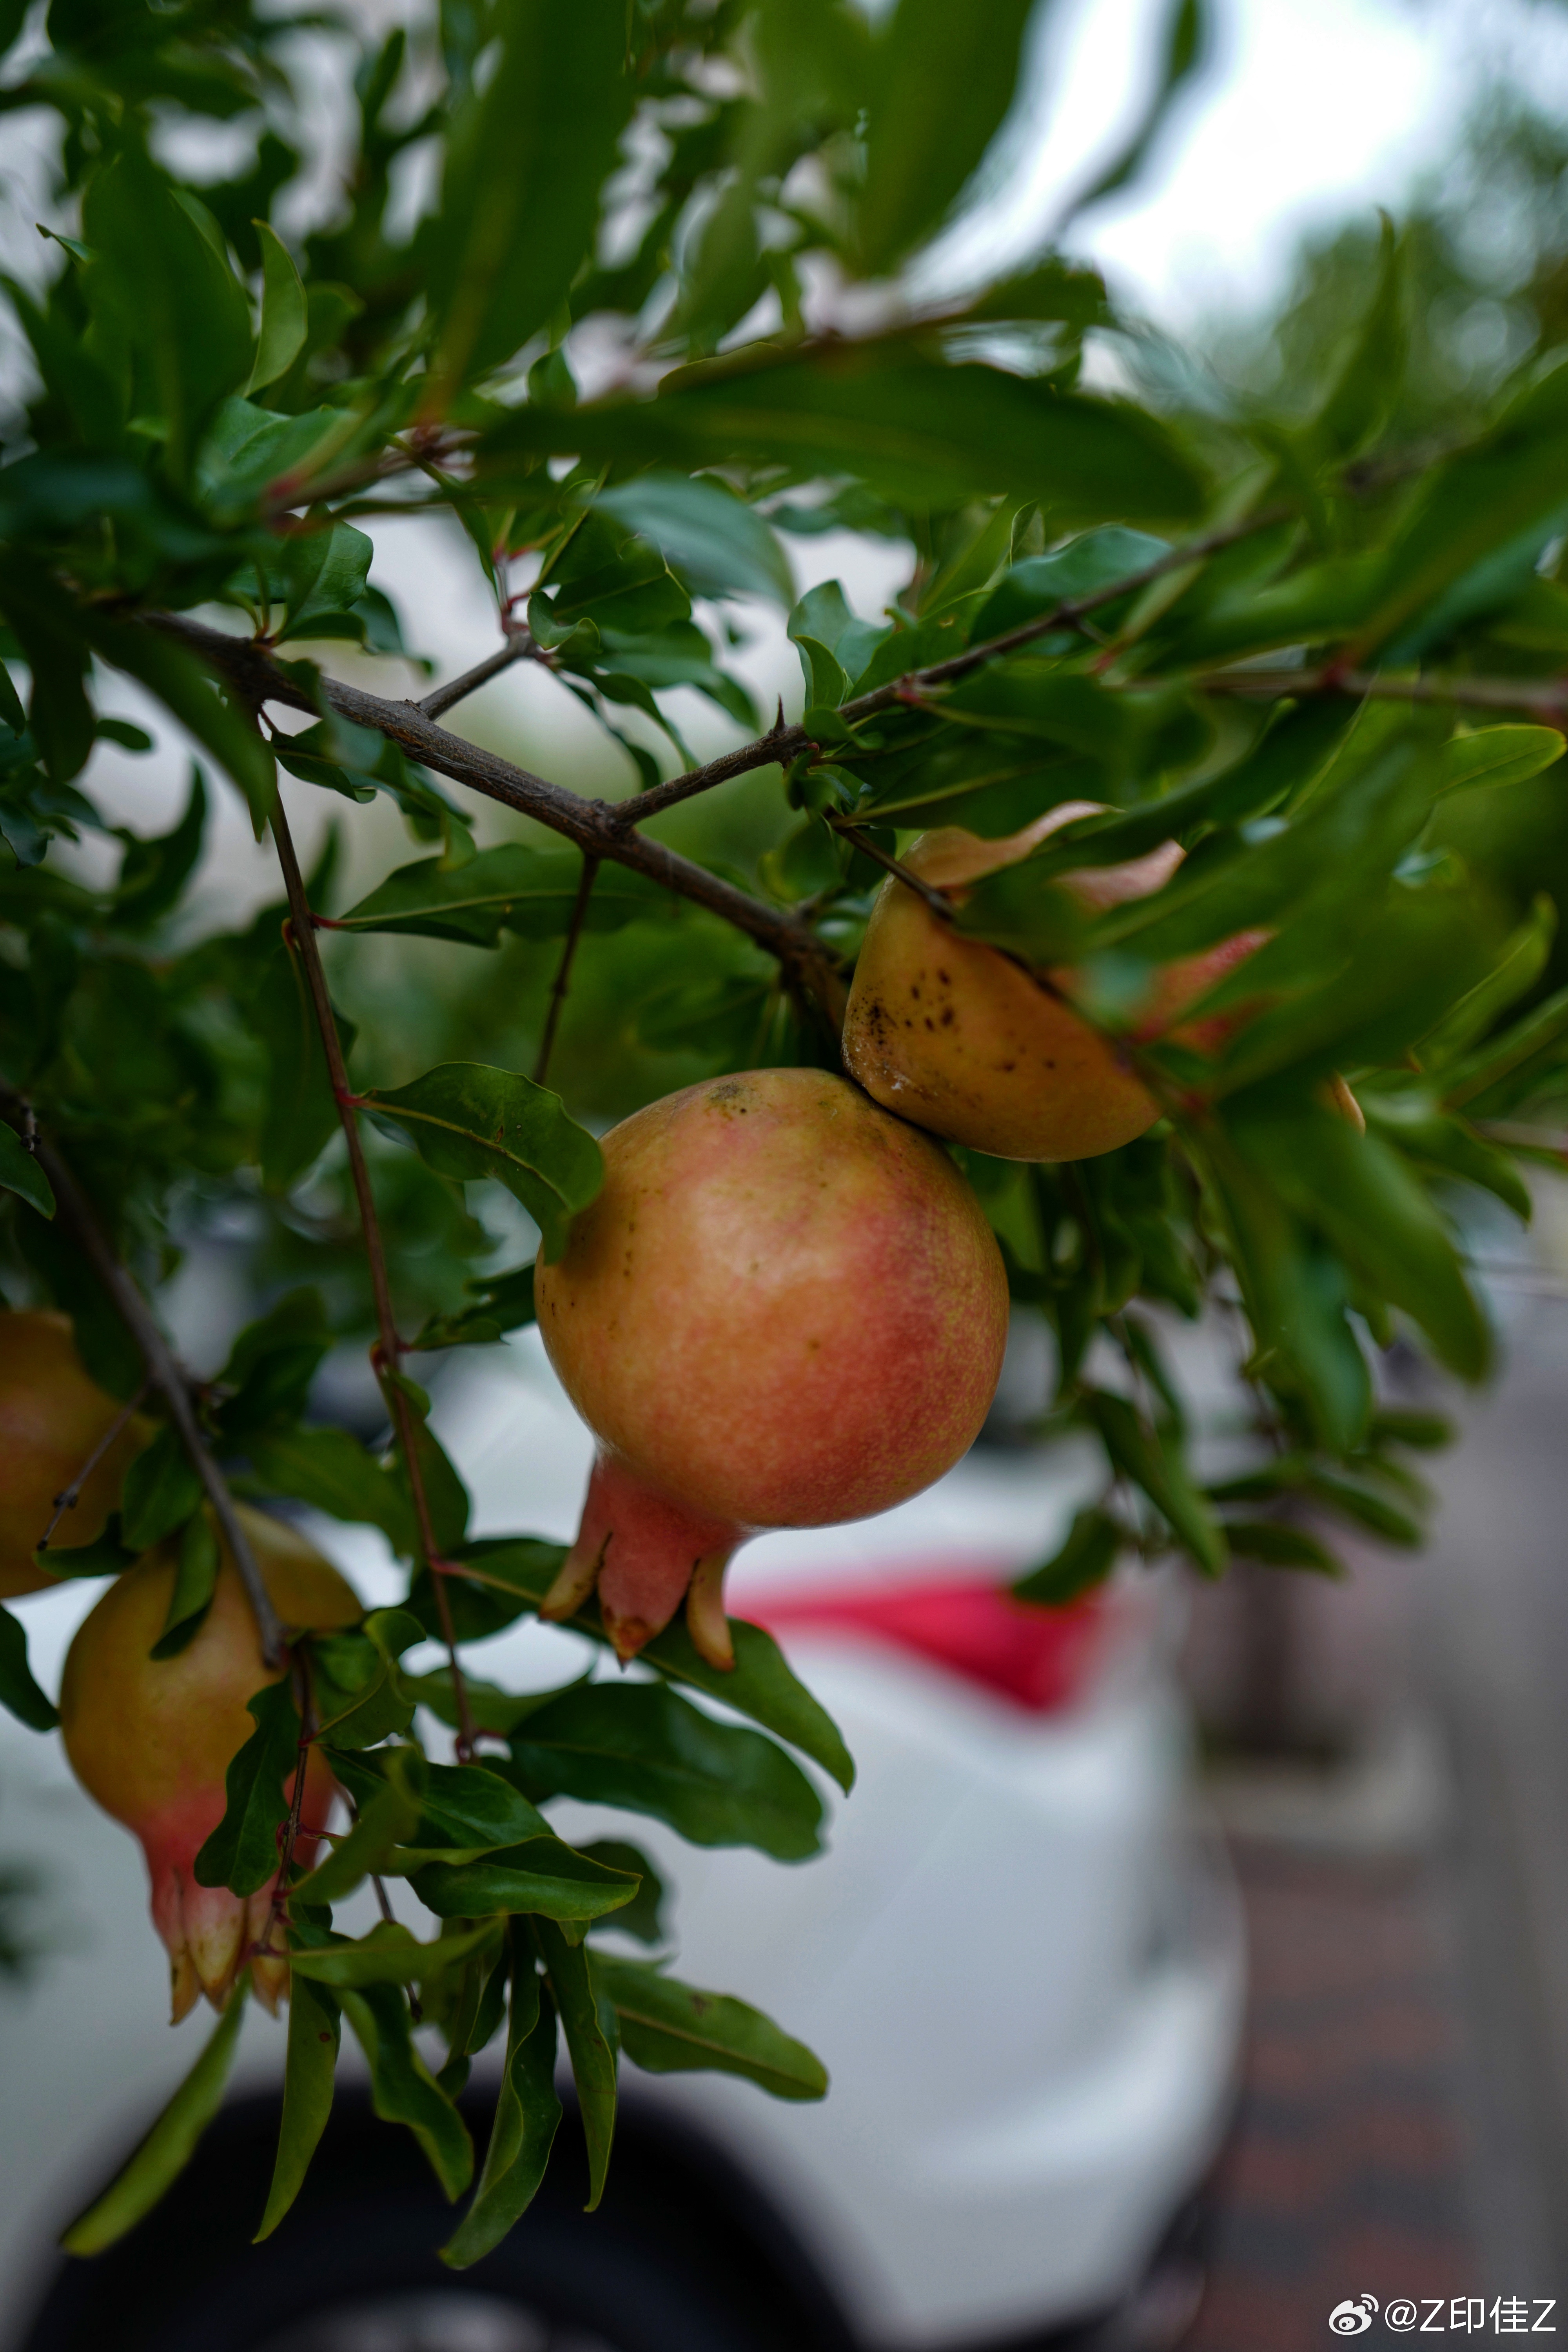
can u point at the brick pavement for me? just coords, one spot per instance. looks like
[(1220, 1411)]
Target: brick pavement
[(1347, 2175)]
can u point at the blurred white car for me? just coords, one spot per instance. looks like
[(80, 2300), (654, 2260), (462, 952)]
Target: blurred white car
[(1020, 1958)]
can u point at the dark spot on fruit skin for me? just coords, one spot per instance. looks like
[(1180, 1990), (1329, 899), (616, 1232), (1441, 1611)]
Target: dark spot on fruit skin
[(947, 1018), (930, 1022), (945, 978)]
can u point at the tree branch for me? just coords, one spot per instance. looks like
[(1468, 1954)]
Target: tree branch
[(517, 648), (1547, 697), (593, 825), (389, 1346), (563, 968), (163, 1371)]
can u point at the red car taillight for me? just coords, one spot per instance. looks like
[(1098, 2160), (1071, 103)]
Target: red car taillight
[(1036, 1658)]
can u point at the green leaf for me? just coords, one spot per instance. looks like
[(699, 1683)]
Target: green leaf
[(195, 1581), (593, 2059), (669, 2028), (942, 80), (1412, 1122), (524, 2132), (720, 546), (272, 1364), (168, 2148), (387, 1822), (1095, 559), (18, 1691), (1278, 1545), (184, 688), (760, 1684), (285, 316), (1153, 1460), (1499, 755), (401, 2088), (153, 873), (242, 1851), (331, 1472), (532, 892), (389, 1954), (1517, 970), (163, 1488), (1184, 52), (642, 1916), (1363, 395), (1374, 1213), (469, 1122), (542, 1875), (310, 2070), (502, 1302), (476, 1812), (524, 166), (176, 300), (361, 1695), (1084, 1560), (642, 1747), (20, 1172), (919, 432)]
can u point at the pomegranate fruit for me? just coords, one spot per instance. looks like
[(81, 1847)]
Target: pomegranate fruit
[(151, 1740), (52, 1420), (784, 1308), (948, 1032)]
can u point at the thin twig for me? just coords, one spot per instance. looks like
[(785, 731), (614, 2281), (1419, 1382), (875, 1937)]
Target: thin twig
[(70, 1495), (782, 744), (563, 968), (163, 1371), (937, 900), (1547, 698), (389, 1346), (290, 1837), (593, 825), (458, 689)]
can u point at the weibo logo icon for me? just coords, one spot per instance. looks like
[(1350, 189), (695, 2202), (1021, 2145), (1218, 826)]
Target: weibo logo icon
[(1353, 2316)]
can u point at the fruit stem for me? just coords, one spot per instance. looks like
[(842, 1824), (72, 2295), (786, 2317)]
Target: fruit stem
[(389, 1346), (163, 1370), (69, 1494)]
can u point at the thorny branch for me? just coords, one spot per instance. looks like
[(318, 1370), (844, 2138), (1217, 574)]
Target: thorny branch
[(389, 1347), (163, 1371)]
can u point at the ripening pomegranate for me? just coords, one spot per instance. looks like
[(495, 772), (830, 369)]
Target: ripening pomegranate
[(784, 1308), (151, 1738), (956, 1036), (52, 1420)]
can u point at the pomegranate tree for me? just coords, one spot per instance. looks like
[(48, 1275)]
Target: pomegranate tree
[(961, 1038), (54, 1420), (151, 1738), (784, 1309)]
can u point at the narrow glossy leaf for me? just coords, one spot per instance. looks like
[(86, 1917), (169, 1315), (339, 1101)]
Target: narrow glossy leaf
[(719, 545), (168, 2148), (502, 1302), (1374, 1212), (389, 1954), (1096, 559), (504, 1576), (1275, 1544), (470, 1122), (1413, 1123), (1360, 1504), (401, 2088), (1517, 970), (1153, 1460), (643, 1916), (387, 1822), (1364, 392), (943, 79), (331, 1471), (18, 1691), (760, 1685), (1499, 755), (917, 431), (20, 1174), (643, 1746), (1429, 1433), (544, 1876), (272, 1362), (592, 2060), (524, 167), (532, 892), (1084, 1560), (669, 2028), (361, 1695), (1485, 1082), (163, 1488), (1184, 52), (310, 2070), (466, 1806), (195, 1580), (242, 1851), (153, 873), (526, 2113), (285, 314)]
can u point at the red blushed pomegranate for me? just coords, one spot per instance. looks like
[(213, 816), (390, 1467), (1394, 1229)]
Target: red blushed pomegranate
[(783, 1309), (949, 1033), (151, 1740), (53, 1420)]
